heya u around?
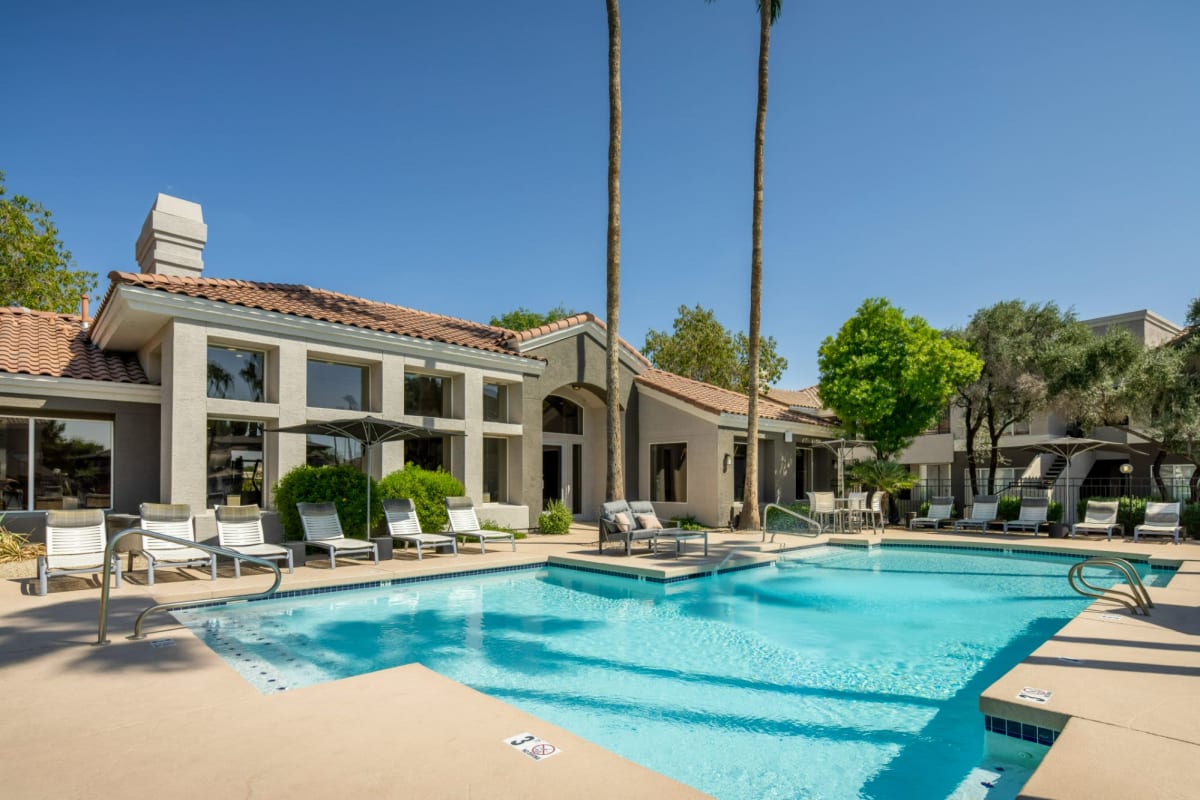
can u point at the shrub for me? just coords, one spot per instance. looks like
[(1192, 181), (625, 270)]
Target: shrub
[(16, 546), (1190, 517), (1009, 509), (556, 519), (343, 484), (428, 489), (687, 523)]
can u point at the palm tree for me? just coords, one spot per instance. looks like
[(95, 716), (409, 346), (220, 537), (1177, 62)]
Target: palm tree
[(615, 480), (768, 13)]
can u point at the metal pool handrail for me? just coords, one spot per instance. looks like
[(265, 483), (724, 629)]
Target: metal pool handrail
[(1138, 599), (809, 520), (102, 631)]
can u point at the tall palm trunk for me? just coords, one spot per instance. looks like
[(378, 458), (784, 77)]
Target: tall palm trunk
[(749, 517), (614, 488)]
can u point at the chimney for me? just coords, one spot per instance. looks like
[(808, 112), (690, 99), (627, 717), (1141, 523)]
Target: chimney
[(85, 321), (172, 238)]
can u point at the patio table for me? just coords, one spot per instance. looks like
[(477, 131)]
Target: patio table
[(682, 536)]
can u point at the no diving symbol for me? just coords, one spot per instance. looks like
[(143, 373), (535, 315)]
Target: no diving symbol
[(532, 746), (542, 750)]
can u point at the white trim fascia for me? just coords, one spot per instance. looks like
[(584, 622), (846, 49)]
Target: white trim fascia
[(76, 389), (741, 422), (129, 299), (590, 328)]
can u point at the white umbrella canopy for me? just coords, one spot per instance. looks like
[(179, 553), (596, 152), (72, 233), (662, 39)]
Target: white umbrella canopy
[(1070, 446), (367, 431), (841, 447)]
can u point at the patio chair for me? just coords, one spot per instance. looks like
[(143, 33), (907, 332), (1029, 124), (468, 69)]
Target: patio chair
[(940, 510), (75, 542), (617, 524), (173, 519), (822, 506), (1032, 516), (1100, 516), (645, 518), (323, 529), (1162, 519), (854, 510), (463, 522), (875, 512), (983, 513), (239, 528), (404, 526)]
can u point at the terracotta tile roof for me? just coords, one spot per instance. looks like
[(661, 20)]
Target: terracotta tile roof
[(304, 301), (43, 343), (721, 401), (515, 338), (805, 398)]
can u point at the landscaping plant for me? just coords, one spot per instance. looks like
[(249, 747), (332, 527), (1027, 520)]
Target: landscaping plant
[(428, 489), (343, 485), (556, 519)]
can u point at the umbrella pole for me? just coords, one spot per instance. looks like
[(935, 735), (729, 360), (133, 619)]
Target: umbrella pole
[(368, 493)]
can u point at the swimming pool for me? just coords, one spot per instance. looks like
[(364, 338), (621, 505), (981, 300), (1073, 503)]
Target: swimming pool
[(852, 673)]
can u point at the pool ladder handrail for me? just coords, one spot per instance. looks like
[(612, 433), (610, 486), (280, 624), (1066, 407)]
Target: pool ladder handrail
[(797, 515), (1136, 600), (102, 631)]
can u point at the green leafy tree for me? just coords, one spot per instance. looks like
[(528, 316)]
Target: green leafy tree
[(888, 377), (1022, 347), (522, 319), (614, 483), (701, 348), (36, 271)]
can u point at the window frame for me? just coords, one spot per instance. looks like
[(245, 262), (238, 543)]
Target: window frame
[(366, 382), (264, 364), (654, 483), (33, 458)]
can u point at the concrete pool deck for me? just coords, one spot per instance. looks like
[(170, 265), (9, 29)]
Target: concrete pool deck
[(167, 717)]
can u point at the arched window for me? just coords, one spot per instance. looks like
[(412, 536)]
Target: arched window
[(560, 415)]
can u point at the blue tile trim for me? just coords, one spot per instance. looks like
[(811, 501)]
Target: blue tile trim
[(1023, 551), (1020, 730)]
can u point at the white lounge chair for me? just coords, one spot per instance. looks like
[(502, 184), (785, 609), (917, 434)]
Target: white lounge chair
[(323, 529), (940, 510), (983, 513), (1033, 515), (239, 528), (1162, 519), (173, 519), (404, 525), (1100, 516), (876, 512), (75, 542), (463, 522)]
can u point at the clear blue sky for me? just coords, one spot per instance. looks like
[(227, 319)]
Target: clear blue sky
[(451, 156)]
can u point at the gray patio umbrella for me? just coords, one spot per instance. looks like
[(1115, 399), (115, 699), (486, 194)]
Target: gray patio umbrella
[(367, 431), (841, 447), (1070, 446)]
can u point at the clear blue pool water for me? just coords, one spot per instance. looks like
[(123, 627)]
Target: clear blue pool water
[(851, 674)]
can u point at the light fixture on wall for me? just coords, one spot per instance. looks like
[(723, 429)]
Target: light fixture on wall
[(725, 462)]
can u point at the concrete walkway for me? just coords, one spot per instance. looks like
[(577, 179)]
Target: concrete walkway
[(143, 720)]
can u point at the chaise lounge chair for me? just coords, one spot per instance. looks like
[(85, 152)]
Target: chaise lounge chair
[(1033, 515), (1100, 516), (75, 543), (239, 528), (983, 513), (172, 519), (1162, 519), (463, 522), (322, 528), (404, 526), (940, 510)]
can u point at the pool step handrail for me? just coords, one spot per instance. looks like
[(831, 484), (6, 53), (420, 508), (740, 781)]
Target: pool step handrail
[(809, 520), (1137, 600), (102, 630)]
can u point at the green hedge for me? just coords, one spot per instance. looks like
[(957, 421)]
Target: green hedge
[(428, 489), (1189, 513), (343, 485), (1009, 509)]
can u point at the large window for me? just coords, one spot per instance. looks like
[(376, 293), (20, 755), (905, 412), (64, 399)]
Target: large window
[(426, 395), (427, 453), (55, 463), (495, 402), (495, 470), (560, 415), (235, 374), (235, 462), (668, 473), (332, 385), (324, 451)]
